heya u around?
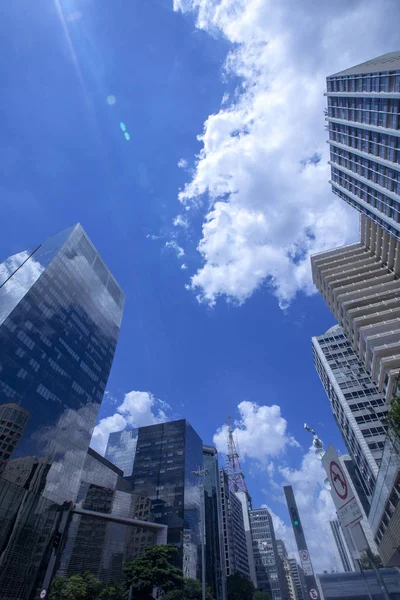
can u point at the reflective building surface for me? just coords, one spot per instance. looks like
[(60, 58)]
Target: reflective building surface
[(269, 567), (213, 523), (357, 586), (166, 456), (60, 315), (121, 449), (106, 526)]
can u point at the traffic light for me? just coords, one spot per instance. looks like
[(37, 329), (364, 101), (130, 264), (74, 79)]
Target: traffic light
[(295, 518), (57, 540)]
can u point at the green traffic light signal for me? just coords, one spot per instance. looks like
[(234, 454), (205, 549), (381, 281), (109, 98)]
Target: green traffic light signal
[(296, 522)]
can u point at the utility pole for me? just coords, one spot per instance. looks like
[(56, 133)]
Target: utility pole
[(200, 473)]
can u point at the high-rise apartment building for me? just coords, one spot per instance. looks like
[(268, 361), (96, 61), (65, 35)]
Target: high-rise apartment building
[(358, 407), (299, 580), (283, 555), (234, 536), (167, 455), (341, 545), (361, 285), (60, 315), (215, 572), (363, 118), (269, 568), (121, 449)]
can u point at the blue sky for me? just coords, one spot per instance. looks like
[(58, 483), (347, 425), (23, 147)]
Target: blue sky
[(220, 307)]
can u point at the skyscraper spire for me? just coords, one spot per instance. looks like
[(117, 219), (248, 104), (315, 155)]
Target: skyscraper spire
[(233, 468)]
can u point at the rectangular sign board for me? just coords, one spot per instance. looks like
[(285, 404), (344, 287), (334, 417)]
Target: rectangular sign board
[(347, 507)]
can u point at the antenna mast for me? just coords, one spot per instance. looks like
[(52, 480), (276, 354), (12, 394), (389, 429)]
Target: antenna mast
[(233, 468)]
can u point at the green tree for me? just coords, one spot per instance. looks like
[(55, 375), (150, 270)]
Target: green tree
[(114, 591), (259, 595), (71, 588), (239, 587), (366, 563), (393, 415), (154, 568), (191, 590)]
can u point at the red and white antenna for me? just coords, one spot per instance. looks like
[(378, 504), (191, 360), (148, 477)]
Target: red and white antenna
[(233, 468)]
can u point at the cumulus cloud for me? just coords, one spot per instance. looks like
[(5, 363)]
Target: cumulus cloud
[(183, 267), (174, 246), (182, 163), (181, 221), (261, 432), (268, 200), (136, 410)]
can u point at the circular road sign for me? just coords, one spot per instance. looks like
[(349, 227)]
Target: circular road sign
[(313, 594), (304, 555), (338, 480), (43, 594)]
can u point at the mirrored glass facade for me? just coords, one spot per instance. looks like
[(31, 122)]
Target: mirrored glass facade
[(213, 523), (357, 586), (121, 449), (364, 135), (166, 456), (101, 534), (60, 315), (269, 567)]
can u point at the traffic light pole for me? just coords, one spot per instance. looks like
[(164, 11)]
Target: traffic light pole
[(305, 560)]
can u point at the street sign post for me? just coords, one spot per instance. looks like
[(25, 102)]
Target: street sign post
[(347, 507), (43, 594)]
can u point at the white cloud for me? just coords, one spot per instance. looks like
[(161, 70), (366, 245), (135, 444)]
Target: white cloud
[(174, 246), (183, 267), (181, 221), (261, 432), (270, 206), (136, 410), (182, 163)]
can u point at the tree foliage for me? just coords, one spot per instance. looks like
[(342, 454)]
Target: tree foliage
[(239, 587), (84, 587), (393, 415), (154, 568), (259, 595), (191, 590)]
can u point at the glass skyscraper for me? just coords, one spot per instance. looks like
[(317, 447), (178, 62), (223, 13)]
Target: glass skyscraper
[(166, 457), (60, 315), (121, 449), (364, 136), (215, 577)]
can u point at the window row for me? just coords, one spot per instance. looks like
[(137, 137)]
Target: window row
[(377, 173), (377, 82)]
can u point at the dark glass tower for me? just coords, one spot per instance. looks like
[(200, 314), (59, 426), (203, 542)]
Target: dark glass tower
[(166, 456), (60, 315), (213, 523), (121, 448)]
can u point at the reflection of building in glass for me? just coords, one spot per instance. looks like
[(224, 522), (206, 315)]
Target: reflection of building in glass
[(343, 550), (269, 567), (213, 523), (356, 403), (13, 419), (283, 555), (60, 314), (166, 456), (107, 525), (121, 449), (234, 535)]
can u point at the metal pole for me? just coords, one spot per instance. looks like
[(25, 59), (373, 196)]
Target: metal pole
[(203, 545), (378, 574)]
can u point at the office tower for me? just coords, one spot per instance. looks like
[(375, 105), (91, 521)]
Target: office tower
[(60, 315), (299, 535), (13, 419), (341, 545), (298, 578), (358, 407), (215, 575), (283, 555), (167, 455), (359, 586), (234, 535), (364, 122), (268, 564), (121, 448), (361, 286), (108, 526)]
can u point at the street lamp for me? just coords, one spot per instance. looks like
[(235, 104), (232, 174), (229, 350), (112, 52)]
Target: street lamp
[(200, 474)]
